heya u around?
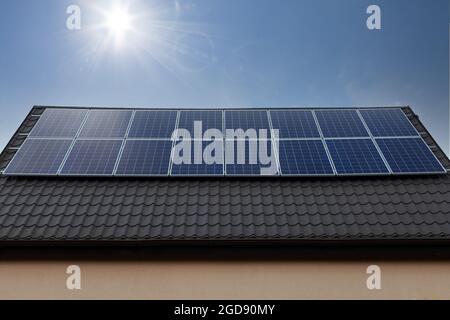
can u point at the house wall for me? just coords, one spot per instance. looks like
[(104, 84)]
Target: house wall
[(222, 278)]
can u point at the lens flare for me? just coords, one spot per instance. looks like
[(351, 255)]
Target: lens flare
[(119, 23)]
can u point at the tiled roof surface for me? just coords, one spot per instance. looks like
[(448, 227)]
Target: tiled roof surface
[(376, 208)]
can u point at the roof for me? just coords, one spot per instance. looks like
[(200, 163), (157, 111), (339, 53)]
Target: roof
[(38, 210)]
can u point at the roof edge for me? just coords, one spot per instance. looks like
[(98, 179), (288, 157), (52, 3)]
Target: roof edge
[(318, 242), (430, 136)]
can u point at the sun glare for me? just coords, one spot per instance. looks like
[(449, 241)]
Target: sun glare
[(118, 22), (149, 34)]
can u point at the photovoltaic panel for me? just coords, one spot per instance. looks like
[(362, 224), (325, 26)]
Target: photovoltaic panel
[(248, 120), (388, 123), (209, 120), (106, 124), (250, 158), (294, 124), (304, 157), (92, 157), (59, 123), (341, 124), (39, 157), (145, 157), (409, 155), (204, 160), (356, 156), (107, 142), (153, 124)]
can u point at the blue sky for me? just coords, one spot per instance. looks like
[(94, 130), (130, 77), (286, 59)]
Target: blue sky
[(219, 53)]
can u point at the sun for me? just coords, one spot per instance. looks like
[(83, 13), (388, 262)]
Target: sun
[(119, 23)]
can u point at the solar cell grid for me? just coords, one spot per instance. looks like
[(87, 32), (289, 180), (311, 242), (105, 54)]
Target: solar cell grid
[(92, 157), (341, 124), (409, 155), (106, 124), (246, 120), (388, 123), (59, 123), (250, 158), (294, 124), (208, 119), (145, 157), (356, 156), (153, 124), (147, 146), (39, 157), (304, 157), (200, 161)]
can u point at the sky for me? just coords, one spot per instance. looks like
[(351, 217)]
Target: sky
[(226, 53)]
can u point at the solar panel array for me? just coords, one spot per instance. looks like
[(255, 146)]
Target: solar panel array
[(295, 124), (107, 124), (153, 125), (304, 157), (92, 157), (341, 124), (190, 121), (145, 157), (356, 156), (250, 158), (291, 142)]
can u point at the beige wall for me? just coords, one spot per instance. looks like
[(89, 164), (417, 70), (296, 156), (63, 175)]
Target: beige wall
[(211, 279)]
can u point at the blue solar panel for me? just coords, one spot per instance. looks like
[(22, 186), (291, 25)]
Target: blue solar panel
[(244, 158), (246, 120), (145, 157), (92, 157), (294, 124), (209, 120), (153, 124), (59, 123), (197, 163), (341, 124), (388, 123), (409, 155), (356, 156), (304, 157), (106, 124), (89, 142), (39, 157)]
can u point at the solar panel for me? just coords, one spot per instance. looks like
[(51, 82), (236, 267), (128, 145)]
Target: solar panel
[(108, 142), (59, 123), (388, 123), (209, 120), (356, 156), (145, 157), (153, 124), (246, 120), (92, 157), (250, 158), (39, 157), (304, 157), (201, 159), (106, 124), (409, 155), (294, 124), (341, 124)]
